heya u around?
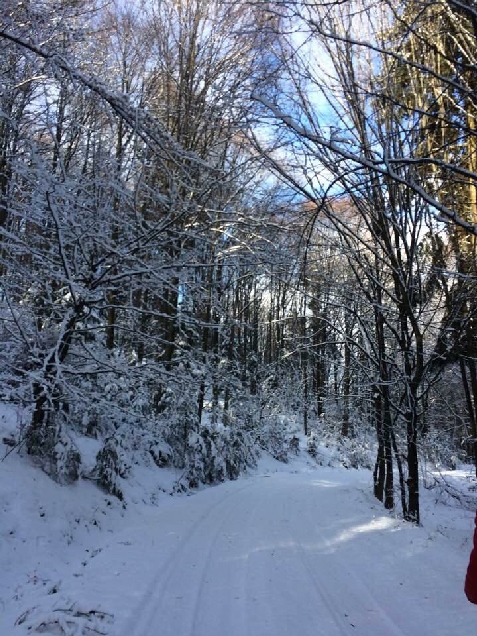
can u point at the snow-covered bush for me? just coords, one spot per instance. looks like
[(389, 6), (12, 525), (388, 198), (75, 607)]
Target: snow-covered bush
[(312, 444), (276, 444), (66, 617), (196, 457), (65, 459), (161, 453), (278, 436), (217, 453), (440, 450), (55, 451), (355, 453), (241, 452), (294, 444), (111, 464), (177, 421)]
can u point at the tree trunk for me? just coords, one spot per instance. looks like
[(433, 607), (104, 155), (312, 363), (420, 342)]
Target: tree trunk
[(471, 402), (388, 454), (345, 427), (412, 460), (380, 465)]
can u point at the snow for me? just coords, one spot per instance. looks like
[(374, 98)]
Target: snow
[(291, 549)]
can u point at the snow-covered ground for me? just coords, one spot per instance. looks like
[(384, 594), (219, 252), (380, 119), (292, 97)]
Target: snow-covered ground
[(290, 550)]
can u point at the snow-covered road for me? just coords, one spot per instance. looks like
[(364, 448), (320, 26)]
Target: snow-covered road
[(283, 554)]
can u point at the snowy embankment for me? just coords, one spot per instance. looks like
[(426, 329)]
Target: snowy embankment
[(291, 550)]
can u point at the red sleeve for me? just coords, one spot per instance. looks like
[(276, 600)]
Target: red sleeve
[(471, 578)]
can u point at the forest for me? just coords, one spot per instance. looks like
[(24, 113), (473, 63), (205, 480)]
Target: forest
[(217, 218)]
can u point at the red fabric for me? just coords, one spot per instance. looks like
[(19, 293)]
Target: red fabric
[(471, 578)]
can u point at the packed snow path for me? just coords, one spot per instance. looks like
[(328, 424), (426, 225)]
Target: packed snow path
[(287, 555), (306, 553)]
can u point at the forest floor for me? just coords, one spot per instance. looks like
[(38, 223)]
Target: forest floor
[(292, 549)]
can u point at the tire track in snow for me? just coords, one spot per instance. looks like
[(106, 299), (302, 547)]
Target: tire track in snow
[(332, 606), (212, 551), (279, 598), (239, 573), (144, 613), (334, 612), (362, 599)]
